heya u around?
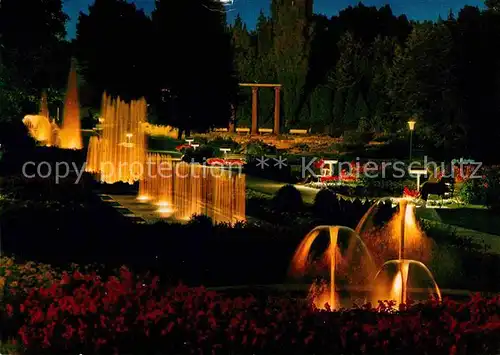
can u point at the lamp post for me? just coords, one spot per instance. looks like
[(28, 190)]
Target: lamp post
[(411, 126)]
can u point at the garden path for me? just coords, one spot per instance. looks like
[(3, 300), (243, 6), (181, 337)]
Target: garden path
[(270, 187)]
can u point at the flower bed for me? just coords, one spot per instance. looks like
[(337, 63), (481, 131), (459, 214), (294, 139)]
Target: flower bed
[(82, 313), (225, 162), (407, 192)]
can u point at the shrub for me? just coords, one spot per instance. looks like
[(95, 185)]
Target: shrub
[(357, 138), (445, 265), (288, 199), (199, 155), (257, 148), (326, 204), (493, 192), (224, 142), (473, 191)]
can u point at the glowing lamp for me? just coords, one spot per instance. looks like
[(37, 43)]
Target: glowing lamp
[(411, 124)]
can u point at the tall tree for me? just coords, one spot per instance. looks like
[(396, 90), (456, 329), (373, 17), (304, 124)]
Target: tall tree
[(265, 70), (423, 84), (200, 68), (349, 76), (476, 34), (244, 64), (32, 51), (291, 50), (321, 101), (113, 46)]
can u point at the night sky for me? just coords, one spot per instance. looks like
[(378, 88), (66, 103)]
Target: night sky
[(249, 9)]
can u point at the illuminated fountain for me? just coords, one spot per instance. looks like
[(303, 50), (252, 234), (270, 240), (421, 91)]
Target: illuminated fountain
[(346, 259), (40, 127), (119, 155), (156, 186), (93, 156), (70, 135), (182, 190), (407, 277), (44, 105), (351, 259), (47, 132)]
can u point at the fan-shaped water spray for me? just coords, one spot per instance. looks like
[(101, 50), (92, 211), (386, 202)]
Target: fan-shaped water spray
[(392, 243), (403, 280), (70, 134), (346, 259), (393, 233)]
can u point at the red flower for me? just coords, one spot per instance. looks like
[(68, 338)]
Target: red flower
[(319, 164), (10, 310), (410, 193), (225, 162), (182, 147)]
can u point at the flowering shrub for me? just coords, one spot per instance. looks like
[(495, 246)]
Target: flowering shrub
[(160, 131), (124, 314), (353, 173), (339, 178), (225, 162), (19, 278), (407, 192), (461, 174), (183, 147)]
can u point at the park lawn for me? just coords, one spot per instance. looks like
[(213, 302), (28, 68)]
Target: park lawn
[(163, 143), (470, 217)]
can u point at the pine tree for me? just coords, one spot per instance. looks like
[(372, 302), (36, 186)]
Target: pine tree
[(265, 71), (422, 81), (321, 101), (291, 51), (350, 120), (361, 109), (338, 111)]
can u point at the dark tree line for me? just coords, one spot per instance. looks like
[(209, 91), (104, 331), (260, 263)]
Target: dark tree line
[(180, 58), (369, 70), (364, 70), (33, 54)]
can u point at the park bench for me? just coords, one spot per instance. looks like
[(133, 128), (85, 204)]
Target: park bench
[(243, 130), (299, 131), (220, 130), (265, 130)]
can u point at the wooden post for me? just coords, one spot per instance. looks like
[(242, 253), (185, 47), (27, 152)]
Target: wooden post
[(255, 129), (277, 110)]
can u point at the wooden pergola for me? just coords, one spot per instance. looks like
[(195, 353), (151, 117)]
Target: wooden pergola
[(255, 90)]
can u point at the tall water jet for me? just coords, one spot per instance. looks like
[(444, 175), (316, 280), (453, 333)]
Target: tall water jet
[(93, 155), (346, 260), (44, 105), (40, 128), (70, 134), (121, 151), (398, 236), (381, 230), (183, 190)]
